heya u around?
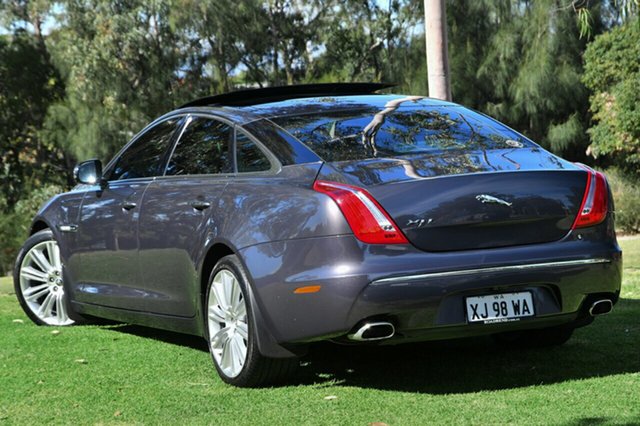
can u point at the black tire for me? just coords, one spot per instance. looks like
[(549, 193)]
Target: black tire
[(256, 370), (540, 338), (53, 295)]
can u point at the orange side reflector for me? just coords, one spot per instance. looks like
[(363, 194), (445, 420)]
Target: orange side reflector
[(307, 289)]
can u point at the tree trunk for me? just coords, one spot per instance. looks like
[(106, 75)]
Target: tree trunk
[(287, 65), (221, 62), (275, 40), (435, 30)]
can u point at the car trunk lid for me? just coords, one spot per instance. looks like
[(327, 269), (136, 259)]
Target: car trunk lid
[(473, 207)]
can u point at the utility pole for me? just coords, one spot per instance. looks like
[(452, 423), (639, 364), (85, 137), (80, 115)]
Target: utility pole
[(435, 31)]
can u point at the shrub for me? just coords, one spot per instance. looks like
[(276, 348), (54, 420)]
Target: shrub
[(626, 196), (14, 226)]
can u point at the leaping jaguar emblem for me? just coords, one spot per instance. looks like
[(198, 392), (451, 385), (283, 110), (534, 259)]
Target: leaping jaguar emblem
[(484, 198)]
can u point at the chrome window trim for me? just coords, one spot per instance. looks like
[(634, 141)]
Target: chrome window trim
[(108, 169), (509, 268), (275, 168)]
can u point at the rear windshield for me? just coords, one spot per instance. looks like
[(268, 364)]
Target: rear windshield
[(358, 134)]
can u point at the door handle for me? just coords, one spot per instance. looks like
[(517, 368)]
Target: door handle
[(128, 205), (200, 204)]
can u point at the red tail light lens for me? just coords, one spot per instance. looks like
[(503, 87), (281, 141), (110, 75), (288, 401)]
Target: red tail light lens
[(593, 209), (368, 220)]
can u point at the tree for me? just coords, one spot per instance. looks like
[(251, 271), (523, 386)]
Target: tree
[(364, 41), (612, 73), (28, 85), (215, 38), (521, 62), (122, 65), (435, 24), (472, 25)]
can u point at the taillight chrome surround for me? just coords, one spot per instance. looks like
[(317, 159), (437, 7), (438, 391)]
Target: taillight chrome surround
[(595, 201)]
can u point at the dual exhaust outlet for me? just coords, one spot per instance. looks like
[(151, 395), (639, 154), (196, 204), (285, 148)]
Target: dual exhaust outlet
[(371, 331), (381, 330), (600, 307)]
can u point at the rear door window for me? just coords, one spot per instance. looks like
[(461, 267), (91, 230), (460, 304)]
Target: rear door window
[(203, 149)]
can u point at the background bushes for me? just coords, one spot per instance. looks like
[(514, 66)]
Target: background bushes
[(626, 195), (14, 226)]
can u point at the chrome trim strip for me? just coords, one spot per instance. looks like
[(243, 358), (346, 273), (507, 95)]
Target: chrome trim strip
[(562, 264)]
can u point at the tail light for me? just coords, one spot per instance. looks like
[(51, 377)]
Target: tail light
[(593, 209), (368, 220)]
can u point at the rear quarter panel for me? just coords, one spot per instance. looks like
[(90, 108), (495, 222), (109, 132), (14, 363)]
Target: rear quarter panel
[(258, 209)]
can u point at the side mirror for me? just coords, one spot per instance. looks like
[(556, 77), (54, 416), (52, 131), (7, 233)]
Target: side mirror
[(88, 172)]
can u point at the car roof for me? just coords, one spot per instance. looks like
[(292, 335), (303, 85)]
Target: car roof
[(340, 103), (263, 95), (245, 106)]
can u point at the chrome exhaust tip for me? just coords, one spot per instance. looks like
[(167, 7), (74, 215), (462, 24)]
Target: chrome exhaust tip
[(373, 331), (600, 307)]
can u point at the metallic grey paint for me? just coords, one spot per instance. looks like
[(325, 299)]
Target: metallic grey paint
[(140, 249)]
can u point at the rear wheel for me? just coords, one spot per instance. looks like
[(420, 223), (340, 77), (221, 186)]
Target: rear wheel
[(230, 332), (38, 281), (545, 337)]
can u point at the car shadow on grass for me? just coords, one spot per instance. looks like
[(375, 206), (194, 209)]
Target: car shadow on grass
[(179, 339), (609, 346)]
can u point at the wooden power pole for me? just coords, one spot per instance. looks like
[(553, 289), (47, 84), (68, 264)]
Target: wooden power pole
[(435, 31)]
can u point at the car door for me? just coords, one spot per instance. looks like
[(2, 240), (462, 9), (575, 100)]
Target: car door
[(107, 271), (177, 211)]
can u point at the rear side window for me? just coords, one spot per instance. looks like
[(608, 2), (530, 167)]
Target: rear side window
[(248, 156), (144, 156), (281, 144), (202, 149)]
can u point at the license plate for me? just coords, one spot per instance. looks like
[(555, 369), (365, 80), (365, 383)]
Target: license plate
[(503, 307)]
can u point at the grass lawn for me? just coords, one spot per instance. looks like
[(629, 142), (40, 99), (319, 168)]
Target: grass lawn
[(126, 374)]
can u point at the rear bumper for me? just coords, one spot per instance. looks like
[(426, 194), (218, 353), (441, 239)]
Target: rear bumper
[(423, 294)]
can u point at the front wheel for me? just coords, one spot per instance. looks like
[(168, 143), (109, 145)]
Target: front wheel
[(38, 281), (230, 332)]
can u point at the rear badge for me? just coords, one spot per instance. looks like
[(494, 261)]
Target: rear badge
[(489, 199), (419, 223)]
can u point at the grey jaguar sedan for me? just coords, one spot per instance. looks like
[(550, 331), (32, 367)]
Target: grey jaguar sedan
[(264, 220)]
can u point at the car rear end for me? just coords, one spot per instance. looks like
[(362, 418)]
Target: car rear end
[(467, 229), (469, 267)]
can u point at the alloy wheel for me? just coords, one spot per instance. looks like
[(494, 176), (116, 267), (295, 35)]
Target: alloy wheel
[(41, 284), (227, 323)]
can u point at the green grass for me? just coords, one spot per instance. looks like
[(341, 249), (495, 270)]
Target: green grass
[(125, 374)]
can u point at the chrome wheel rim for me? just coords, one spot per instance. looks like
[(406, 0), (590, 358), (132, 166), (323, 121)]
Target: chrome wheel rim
[(227, 323), (41, 283)]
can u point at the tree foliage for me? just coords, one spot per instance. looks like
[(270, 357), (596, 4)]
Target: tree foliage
[(78, 78), (28, 85), (122, 65), (521, 62), (612, 73)]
